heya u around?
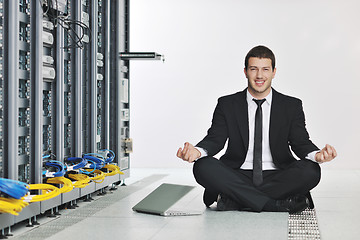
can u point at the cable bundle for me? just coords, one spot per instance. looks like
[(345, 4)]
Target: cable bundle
[(68, 185), (113, 170), (11, 205), (110, 155), (48, 192), (90, 164), (68, 24), (99, 176), (58, 166), (82, 180), (98, 159), (75, 163), (13, 188)]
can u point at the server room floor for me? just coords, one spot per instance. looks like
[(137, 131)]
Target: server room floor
[(111, 217)]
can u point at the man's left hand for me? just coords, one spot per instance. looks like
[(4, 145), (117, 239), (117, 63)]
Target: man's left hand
[(326, 154)]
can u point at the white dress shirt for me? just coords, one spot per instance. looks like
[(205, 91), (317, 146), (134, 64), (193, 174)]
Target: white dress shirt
[(267, 161)]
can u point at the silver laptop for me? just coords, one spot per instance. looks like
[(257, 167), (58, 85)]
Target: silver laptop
[(162, 201)]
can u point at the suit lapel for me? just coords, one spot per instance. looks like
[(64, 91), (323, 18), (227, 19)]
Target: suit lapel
[(275, 118), (241, 112)]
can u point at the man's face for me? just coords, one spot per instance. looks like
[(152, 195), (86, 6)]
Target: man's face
[(259, 74)]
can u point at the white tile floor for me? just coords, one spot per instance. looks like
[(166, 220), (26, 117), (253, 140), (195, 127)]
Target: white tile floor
[(337, 204), (336, 201)]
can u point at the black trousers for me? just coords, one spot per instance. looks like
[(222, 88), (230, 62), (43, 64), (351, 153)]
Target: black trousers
[(216, 177)]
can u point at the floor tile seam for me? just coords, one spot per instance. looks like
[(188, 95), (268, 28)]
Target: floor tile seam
[(92, 211), (75, 214), (118, 195), (60, 224), (157, 232)]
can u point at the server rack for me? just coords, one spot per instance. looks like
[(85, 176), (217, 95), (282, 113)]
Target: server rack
[(64, 91)]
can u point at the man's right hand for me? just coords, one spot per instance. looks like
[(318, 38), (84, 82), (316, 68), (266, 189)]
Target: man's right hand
[(189, 153)]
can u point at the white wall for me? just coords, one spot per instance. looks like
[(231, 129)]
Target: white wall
[(316, 43)]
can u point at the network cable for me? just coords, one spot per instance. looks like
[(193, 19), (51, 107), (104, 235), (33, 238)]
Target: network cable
[(110, 155), (59, 166), (82, 180), (74, 163), (11, 205), (50, 155), (67, 184), (48, 192), (99, 160), (98, 176), (13, 188), (68, 24), (113, 170), (87, 167)]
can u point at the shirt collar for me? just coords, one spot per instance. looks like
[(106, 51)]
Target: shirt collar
[(268, 98)]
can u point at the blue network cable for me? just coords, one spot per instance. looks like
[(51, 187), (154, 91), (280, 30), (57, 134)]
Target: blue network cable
[(99, 161), (57, 165), (13, 188), (49, 155), (78, 163), (92, 165), (110, 155)]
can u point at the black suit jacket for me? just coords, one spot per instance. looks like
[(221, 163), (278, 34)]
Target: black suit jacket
[(230, 122)]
